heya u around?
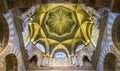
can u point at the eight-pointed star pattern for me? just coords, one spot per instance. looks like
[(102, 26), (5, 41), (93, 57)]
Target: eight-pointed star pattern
[(63, 25)]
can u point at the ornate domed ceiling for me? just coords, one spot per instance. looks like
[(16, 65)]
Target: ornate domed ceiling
[(63, 25), (60, 22)]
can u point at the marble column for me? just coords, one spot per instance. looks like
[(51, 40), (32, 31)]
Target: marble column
[(80, 60), (69, 62), (50, 61), (46, 60), (3, 65), (39, 62), (74, 61)]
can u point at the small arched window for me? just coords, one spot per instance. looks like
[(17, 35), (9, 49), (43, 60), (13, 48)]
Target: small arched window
[(40, 47), (60, 55)]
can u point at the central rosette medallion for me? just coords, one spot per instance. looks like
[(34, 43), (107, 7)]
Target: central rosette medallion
[(60, 22)]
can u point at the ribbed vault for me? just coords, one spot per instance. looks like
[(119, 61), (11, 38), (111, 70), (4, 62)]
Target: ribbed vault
[(63, 26)]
